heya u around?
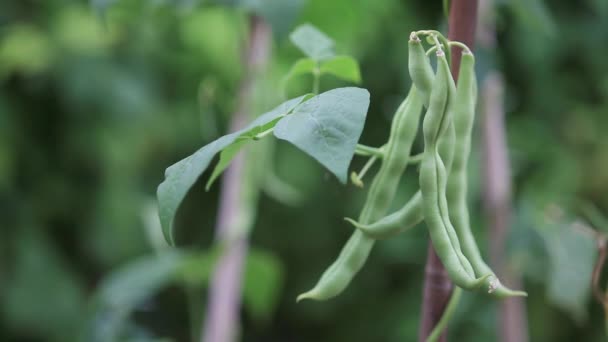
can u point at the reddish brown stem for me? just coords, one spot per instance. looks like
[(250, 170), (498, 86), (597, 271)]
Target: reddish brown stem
[(437, 285), (222, 317)]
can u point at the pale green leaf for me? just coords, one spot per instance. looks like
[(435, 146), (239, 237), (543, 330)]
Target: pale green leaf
[(328, 127), (343, 67), (181, 176), (572, 255), (263, 282), (312, 42)]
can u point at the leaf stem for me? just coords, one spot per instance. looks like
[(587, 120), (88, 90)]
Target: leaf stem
[(357, 179), (316, 74), (366, 151), (263, 134)]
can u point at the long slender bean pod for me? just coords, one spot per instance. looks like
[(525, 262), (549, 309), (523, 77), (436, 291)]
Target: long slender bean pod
[(382, 190), (411, 213), (464, 115), (433, 182)]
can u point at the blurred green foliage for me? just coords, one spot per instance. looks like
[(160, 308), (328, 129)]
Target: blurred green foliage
[(94, 107)]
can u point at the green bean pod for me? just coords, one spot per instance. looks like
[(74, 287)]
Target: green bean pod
[(446, 152), (382, 190), (419, 67), (403, 219), (464, 115), (411, 213), (433, 182)]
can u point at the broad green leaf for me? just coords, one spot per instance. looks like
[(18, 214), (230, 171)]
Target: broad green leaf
[(226, 157), (343, 67), (312, 42), (263, 282), (181, 176), (229, 152), (129, 285), (301, 67), (327, 127), (572, 257), (196, 269)]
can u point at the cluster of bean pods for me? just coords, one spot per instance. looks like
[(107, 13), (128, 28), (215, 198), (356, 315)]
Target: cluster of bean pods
[(441, 200)]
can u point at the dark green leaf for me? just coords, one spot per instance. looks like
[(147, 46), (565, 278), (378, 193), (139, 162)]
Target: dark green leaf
[(328, 127), (312, 42), (343, 67), (535, 15), (263, 282), (196, 269), (42, 295), (181, 176)]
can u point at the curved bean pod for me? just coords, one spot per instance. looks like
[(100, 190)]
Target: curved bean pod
[(464, 115), (405, 218), (382, 190)]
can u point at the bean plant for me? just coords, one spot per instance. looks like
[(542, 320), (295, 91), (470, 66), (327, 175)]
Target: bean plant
[(328, 125)]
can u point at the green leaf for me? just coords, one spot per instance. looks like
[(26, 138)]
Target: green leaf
[(138, 281), (229, 152), (327, 127), (129, 285), (226, 157), (572, 257), (41, 293), (263, 282), (181, 176), (312, 42), (301, 67), (535, 15), (280, 14), (343, 67), (196, 269)]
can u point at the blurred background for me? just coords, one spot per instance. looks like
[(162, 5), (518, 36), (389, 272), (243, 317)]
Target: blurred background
[(98, 98)]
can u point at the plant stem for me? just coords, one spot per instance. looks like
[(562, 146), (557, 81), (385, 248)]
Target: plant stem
[(316, 79), (496, 171), (437, 285), (447, 315), (224, 301), (366, 151)]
